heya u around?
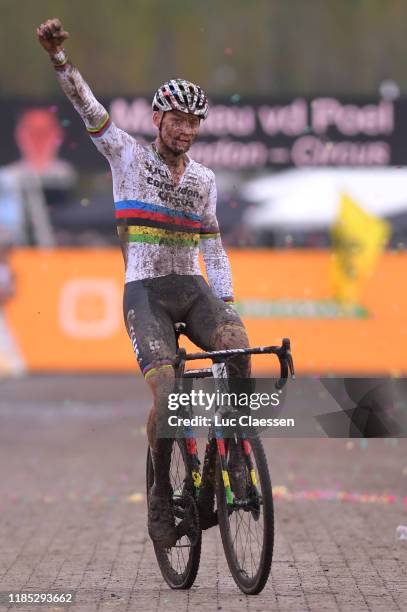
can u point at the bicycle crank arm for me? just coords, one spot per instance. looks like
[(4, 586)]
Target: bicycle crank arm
[(187, 528)]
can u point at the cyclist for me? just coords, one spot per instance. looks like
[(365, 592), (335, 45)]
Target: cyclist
[(165, 209)]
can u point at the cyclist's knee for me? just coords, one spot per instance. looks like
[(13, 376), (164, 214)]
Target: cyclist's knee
[(159, 371), (161, 379), (229, 336)]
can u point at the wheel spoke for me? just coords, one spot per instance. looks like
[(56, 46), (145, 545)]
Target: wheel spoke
[(247, 527), (179, 564)]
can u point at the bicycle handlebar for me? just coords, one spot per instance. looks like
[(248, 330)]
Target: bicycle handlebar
[(283, 353)]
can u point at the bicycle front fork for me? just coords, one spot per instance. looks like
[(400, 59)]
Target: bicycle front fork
[(216, 433), (195, 465)]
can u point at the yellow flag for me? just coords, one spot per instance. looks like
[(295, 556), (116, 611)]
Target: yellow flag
[(358, 239)]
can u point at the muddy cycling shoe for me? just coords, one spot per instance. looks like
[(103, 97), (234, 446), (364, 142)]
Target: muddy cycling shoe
[(206, 502), (161, 520), (237, 470)]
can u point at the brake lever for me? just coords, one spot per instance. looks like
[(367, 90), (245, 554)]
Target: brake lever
[(286, 345), (291, 364), (286, 363), (283, 375)]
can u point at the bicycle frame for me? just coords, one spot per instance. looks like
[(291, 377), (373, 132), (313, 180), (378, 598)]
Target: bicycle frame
[(218, 371)]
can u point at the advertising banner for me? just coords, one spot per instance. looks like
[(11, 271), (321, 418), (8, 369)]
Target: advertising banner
[(67, 312), (248, 133)]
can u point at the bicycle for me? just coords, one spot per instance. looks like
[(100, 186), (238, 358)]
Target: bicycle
[(243, 496)]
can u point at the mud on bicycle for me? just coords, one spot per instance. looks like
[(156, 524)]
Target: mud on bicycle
[(234, 469)]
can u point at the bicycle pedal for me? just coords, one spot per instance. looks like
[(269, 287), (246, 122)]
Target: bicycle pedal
[(187, 528), (183, 527)]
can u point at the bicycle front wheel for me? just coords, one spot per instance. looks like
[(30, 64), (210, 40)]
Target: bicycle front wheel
[(247, 525), (179, 565)]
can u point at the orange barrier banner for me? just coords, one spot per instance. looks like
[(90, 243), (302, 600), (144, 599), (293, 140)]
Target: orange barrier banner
[(67, 313)]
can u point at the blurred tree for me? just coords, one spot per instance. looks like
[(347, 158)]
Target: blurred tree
[(277, 47)]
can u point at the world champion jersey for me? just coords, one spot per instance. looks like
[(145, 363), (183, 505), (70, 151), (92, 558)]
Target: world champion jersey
[(161, 224)]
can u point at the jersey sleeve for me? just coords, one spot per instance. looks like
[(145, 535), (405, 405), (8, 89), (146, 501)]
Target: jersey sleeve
[(110, 140), (216, 260)]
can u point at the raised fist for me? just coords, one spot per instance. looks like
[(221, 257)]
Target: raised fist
[(52, 35)]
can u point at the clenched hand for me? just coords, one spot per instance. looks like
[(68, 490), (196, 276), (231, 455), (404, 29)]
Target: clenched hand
[(52, 35)]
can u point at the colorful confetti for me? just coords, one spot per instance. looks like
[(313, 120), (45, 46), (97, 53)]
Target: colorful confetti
[(136, 498), (282, 492)]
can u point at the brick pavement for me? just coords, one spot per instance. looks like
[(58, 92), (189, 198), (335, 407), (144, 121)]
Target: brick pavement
[(67, 469)]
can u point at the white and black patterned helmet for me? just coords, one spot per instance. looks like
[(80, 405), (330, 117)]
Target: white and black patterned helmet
[(181, 95)]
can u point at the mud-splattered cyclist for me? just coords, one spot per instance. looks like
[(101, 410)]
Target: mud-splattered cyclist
[(165, 206)]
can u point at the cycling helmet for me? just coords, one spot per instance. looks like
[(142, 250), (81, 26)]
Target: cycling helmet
[(181, 95)]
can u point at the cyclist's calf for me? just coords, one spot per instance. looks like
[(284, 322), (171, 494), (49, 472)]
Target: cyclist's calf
[(161, 380)]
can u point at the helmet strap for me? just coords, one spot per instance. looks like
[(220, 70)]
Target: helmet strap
[(161, 120)]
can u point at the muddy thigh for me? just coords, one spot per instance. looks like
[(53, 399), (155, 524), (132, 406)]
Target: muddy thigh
[(150, 329), (213, 324)]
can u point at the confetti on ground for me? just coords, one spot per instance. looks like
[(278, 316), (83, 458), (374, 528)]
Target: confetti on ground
[(136, 498), (401, 532), (48, 499), (283, 492), (280, 492)]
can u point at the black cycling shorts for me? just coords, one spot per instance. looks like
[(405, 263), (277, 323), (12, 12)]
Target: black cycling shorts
[(153, 305)]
